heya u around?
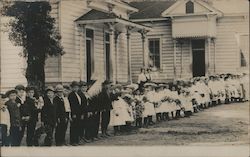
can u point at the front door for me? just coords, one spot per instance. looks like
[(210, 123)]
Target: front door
[(198, 50)]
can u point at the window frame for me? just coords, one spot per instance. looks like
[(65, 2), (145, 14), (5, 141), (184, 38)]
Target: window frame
[(239, 52), (160, 49), (187, 7)]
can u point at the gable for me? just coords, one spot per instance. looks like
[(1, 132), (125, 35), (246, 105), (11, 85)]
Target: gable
[(179, 8)]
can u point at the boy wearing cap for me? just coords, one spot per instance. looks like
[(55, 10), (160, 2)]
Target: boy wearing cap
[(4, 123), (76, 114), (20, 94), (29, 115), (15, 118), (62, 117), (84, 115), (48, 116)]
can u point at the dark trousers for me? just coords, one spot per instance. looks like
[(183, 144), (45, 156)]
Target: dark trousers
[(15, 136), (89, 127), (31, 126), (138, 122), (4, 139), (83, 126), (49, 129), (75, 130), (61, 129), (96, 124), (105, 121)]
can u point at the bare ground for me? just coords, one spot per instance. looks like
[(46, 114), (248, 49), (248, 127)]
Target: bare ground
[(220, 125)]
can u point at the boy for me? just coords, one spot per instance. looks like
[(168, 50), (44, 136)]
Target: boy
[(76, 114), (15, 118), (62, 117), (48, 116), (29, 115), (4, 123), (20, 95)]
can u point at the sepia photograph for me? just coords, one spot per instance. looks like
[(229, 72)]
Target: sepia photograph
[(124, 78)]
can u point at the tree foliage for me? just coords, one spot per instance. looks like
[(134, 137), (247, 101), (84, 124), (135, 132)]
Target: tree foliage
[(34, 29)]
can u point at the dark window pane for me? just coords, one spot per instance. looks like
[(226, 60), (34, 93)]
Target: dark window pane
[(189, 7), (89, 33), (243, 62), (107, 38)]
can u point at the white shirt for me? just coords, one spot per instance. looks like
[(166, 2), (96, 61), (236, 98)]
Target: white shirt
[(66, 104), (5, 118), (142, 78)]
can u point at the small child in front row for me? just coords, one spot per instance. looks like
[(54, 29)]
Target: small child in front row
[(4, 123)]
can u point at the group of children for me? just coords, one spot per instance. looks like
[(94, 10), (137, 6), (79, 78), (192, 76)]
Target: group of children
[(144, 104), (125, 107)]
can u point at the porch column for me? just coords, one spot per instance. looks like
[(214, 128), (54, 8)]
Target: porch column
[(116, 35), (181, 44), (144, 53), (112, 51), (208, 59), (175, 42), (214, 42), (128, 54)]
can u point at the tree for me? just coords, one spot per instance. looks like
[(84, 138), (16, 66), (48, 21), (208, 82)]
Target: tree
[(34, 29)]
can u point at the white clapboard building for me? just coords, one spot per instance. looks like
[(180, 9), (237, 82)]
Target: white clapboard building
[(113, 39)]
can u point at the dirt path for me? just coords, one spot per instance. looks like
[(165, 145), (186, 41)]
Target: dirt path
[(221, 125)]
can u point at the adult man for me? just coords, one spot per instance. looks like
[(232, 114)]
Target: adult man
[(76, 114), (106, 97)]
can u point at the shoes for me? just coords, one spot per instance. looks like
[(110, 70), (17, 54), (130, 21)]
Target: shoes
[(107, 134)]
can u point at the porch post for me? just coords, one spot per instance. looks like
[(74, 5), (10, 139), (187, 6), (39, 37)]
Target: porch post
[(128, 54), (112, 42), (208, 59), (144, 54), (181, 44), (214, 42), (116, 56), (175, 42)]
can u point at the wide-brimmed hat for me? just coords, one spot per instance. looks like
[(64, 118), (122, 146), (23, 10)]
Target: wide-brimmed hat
[(150, 85), (59, 88), (10, 92), (20, 87), (49, 88), (74, 83)]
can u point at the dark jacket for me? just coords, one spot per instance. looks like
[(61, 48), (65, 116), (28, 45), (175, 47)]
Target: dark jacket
[(29, 109), (15, 117), (48, 113), (75, 105), (84, 102), (60, 109), (106, 100)]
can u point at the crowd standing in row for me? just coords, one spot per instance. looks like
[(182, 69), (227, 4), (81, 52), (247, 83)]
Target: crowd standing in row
[(125, 107)]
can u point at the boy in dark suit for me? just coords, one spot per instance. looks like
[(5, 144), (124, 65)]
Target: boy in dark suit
[(84, 118), (48, 116), (76, 114), (29, 114)]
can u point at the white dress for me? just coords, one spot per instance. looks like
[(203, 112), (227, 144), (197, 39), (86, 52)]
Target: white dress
[(118, 114), (149, 109)]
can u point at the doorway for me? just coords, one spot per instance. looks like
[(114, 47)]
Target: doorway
[(198, 51)]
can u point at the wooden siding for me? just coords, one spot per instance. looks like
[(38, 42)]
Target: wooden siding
[(12, 64), (52, 64), (70, 10), (227, 51), (162, 30)]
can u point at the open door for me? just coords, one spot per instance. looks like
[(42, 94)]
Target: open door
[(198, 51)]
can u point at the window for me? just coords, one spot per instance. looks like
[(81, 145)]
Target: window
[(154, 52), (107, 51), (189, 7), (89, 53), (244, 50)]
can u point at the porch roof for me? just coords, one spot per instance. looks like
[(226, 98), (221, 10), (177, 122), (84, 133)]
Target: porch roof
[(98, 17)]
